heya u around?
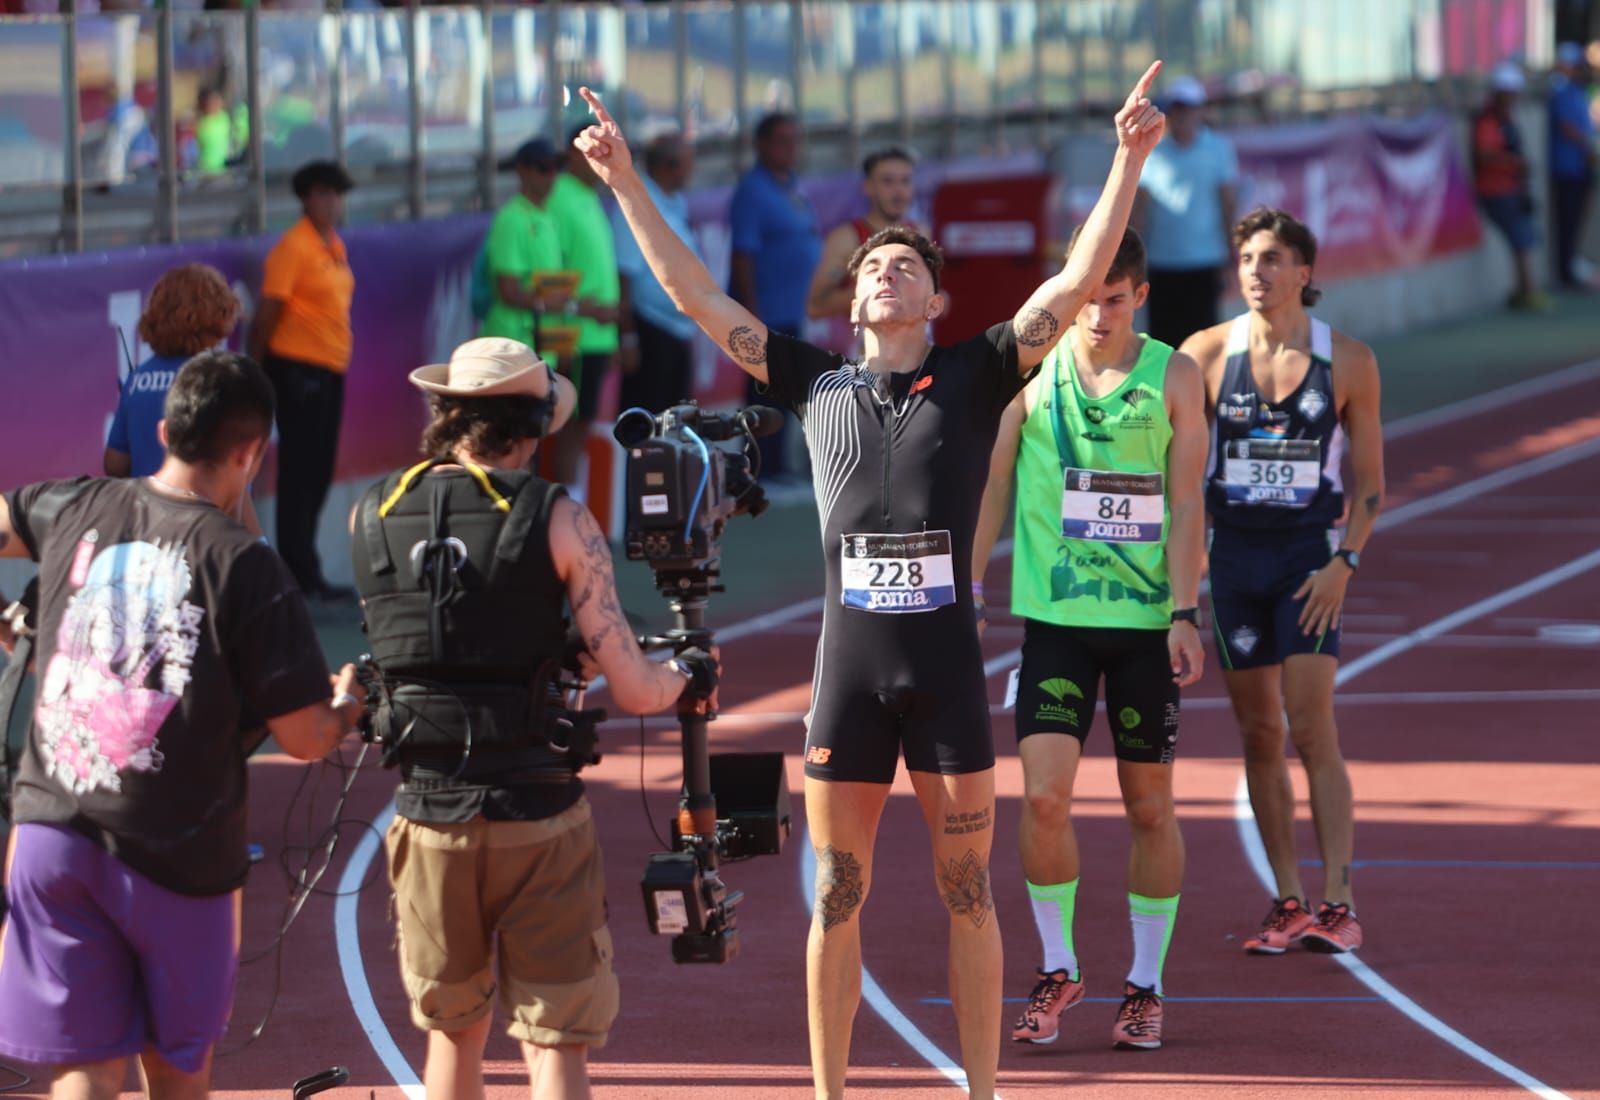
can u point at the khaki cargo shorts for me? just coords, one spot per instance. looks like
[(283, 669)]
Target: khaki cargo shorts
[(516, 907)]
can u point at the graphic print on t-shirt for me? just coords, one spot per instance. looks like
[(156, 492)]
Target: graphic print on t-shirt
[(123, 653)]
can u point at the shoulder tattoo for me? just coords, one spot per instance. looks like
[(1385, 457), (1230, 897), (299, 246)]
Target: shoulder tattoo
[(1036, 327)]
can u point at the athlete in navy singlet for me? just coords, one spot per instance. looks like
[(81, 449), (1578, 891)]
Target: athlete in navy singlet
[(1290, 401), (899, 448)]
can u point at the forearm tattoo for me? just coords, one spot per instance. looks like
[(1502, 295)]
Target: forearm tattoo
[(1371, 503), (964, 883), (1036, 327), (746, 346), (838, 886)]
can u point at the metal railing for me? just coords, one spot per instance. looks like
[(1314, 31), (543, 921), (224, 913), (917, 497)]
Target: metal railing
[(421, 102)]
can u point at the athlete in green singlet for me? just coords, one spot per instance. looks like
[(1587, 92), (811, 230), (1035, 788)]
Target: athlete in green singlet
[(1107, 447)]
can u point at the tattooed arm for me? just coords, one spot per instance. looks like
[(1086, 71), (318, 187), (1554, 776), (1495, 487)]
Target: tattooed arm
[(583, 562), (685, 279), (1044, 318)]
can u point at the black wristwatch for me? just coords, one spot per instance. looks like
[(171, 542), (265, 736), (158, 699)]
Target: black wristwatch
[(1190, 615), (1351, 558)]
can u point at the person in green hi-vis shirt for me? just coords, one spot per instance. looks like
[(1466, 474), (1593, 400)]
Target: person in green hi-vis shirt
[(1107, 447), (587, 247), (213, 134), (524, 242)]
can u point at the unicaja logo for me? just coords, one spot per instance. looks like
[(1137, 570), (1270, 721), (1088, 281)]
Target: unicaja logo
[(1060, 689)]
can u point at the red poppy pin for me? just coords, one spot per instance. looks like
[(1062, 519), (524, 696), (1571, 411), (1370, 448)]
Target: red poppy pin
[(922, 383)]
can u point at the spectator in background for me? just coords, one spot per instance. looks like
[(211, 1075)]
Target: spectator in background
[(587, 246), (1500, 178), (776, 246), (191, 308), (889, 182), (522, 240), (213, 134), (1572, 158), (658, 362), (1185, 212), (302, 336)]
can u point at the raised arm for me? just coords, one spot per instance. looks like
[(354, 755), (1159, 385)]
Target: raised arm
[(1044, 318), (685, 279)]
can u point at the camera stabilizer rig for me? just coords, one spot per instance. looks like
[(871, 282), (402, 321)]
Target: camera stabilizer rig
[(680, 494)]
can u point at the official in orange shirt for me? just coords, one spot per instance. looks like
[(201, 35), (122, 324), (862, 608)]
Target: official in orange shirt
[(302, 337)]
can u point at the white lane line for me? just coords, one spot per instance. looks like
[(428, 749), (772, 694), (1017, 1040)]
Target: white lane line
[(1494, 399), (348, 939), (1256, 852), (873, 993), (1436, 502), (345, 923)]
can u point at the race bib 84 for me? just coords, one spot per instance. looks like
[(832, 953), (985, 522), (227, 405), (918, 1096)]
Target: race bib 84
[(1112, 507)]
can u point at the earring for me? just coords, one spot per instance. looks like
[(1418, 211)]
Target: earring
[(856, 328)]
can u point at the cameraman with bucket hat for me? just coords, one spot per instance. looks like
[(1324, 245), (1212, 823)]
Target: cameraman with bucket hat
[(463, 562)]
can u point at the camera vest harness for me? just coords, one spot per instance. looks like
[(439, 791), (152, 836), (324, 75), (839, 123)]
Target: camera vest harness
[(463, 612)]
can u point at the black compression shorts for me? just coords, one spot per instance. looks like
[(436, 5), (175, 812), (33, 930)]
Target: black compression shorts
[(1060, 681), (875, 696)]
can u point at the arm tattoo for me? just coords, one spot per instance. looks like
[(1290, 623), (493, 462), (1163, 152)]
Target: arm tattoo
[(1036, 327), (597, 579), (746, 346), (964, 883), (838, 886)]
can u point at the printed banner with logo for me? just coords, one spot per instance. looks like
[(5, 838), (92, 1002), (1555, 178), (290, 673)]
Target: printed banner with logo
[(1380, 194)]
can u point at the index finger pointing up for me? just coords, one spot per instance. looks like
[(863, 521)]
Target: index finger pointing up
[(1141, 90), (599, 109)]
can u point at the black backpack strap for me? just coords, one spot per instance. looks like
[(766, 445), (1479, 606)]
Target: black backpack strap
[(369, 526), (530, 509)]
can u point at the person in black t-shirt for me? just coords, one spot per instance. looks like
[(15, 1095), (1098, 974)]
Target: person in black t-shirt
[(161, 622), (900, 447)]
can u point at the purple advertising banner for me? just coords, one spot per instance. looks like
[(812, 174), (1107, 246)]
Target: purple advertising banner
[(70, 331)]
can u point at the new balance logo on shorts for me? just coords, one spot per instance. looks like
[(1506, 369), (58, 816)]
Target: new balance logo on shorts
[(816, 754)]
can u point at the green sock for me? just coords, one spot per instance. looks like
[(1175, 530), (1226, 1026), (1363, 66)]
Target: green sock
[(1052, 914), (1152, 920)]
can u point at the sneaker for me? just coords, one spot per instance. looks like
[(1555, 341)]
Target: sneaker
[(1052, 995), (1286, 923), (1138, 1025), (1335, 932)]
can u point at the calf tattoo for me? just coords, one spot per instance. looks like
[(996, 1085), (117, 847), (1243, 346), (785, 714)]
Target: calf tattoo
[(1036, 327), (964, 883), (746, 346), (838, 886)]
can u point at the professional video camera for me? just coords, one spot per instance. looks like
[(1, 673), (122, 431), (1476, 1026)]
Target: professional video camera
[(680, 493)]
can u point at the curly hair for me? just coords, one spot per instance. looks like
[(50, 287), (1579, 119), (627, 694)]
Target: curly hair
[(931, 254), (191, 308), (484, 426)]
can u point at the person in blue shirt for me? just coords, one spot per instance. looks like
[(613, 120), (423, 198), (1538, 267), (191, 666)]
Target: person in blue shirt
[(190, 309), (658, 351), (776, 247), (1572, 158), (1188, 197)]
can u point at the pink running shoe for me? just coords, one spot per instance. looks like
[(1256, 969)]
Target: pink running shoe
[(1138, 1025), (1335, 932), (1052, 995), (1286, 923)]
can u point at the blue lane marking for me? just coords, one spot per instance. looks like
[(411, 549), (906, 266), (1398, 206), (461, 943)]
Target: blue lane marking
[(1201, 1000), (1473, 864)]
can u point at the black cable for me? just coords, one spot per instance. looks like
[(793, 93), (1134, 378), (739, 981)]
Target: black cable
[(643, 799), (22, 1079)]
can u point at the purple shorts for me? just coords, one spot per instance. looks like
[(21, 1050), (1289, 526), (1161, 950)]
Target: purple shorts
[(98, 962)]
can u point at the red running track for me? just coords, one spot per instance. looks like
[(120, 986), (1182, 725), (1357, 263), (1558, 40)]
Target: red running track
[(1472, 754)]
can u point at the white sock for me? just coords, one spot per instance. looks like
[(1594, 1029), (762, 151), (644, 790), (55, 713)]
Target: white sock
[(1053, 907), (1152, 920)]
